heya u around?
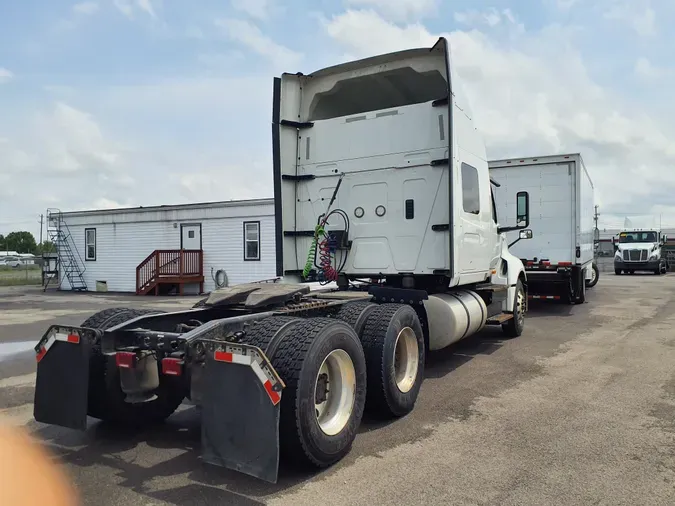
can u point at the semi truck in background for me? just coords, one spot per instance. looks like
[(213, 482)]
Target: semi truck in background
[(559, 260), (383, 194), (640, 250)]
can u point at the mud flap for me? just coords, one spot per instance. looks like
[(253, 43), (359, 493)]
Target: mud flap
[(62, 382), (240, 412)]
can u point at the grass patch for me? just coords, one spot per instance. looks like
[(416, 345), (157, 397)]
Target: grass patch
[(19, 276)]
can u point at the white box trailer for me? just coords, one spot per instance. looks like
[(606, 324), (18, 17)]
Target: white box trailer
[(559, 257)]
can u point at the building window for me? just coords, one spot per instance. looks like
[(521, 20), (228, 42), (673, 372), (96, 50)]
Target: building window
[(470, 191), (90, 244), (251, 240)]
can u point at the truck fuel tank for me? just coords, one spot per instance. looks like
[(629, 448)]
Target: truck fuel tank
[(453, 316)]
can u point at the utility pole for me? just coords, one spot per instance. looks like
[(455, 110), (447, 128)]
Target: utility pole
[(41, 221)]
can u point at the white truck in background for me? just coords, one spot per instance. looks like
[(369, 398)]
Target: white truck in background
[(640, 250), (559, 260)]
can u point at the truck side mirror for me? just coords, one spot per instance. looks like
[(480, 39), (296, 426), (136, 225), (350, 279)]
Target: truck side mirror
[(526, 234), (522, 209)]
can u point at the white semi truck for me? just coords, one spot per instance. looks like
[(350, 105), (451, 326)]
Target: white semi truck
[(559, 260), (382, 191), (640, 250)]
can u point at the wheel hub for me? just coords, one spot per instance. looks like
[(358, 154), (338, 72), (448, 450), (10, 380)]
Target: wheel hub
[(335, 392), (321, 389), (406, 359), (520, 313)]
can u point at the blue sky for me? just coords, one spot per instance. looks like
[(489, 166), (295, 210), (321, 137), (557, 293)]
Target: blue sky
[(110, 103)]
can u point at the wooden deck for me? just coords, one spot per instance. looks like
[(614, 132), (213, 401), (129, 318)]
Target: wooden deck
[(170, 267)]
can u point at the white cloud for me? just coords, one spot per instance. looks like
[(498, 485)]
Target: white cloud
[(146, 6), (566, 4), (259, 9), (125, 7), (250, 36), (85, 8), (645, 69), (364, 33), (399, 10), (74, 141), (73, 157), (105, 203), (5, 75), (642, 18), (490, 17), (534, 96), (128, 7)]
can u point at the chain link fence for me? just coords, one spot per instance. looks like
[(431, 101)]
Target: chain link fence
[(20, 275)]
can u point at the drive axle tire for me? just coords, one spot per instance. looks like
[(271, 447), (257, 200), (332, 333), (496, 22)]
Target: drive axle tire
[(321, 362), (393, 342), (514, 327), (594, 277), (106, 400), (356, 314)]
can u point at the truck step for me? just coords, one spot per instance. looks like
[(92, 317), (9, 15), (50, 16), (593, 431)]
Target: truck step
[(498, 319), (490, 287)]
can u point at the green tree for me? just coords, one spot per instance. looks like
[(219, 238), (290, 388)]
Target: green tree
[(2, 242), (21, 242), (45, 247)]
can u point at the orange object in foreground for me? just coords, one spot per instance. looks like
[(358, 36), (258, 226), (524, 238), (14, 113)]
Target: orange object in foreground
[(28, 476)]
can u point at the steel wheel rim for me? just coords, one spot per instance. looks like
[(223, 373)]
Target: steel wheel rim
[(520, 314), (593, 275), (336, 380), (406, 359)]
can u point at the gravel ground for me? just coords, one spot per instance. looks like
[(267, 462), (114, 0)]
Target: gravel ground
[(579, 410)]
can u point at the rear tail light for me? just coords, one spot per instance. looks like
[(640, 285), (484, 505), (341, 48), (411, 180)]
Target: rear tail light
[(125, 359), (172, 366)]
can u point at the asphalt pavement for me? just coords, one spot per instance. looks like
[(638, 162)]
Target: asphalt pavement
[(578, 410)]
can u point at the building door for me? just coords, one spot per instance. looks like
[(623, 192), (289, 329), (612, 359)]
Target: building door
[(191, 236)]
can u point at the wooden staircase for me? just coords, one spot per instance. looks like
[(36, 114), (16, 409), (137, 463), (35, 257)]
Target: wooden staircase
[(170, 267)]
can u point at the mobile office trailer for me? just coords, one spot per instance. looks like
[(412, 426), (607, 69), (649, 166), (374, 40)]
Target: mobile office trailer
[(559, 257)]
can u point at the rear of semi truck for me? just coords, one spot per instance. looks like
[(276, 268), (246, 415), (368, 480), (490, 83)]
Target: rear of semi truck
[(382, 190), (559, 259)]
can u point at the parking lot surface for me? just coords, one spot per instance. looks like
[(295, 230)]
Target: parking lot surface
[(578, 410)]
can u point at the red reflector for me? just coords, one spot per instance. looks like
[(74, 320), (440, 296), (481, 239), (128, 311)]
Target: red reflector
[(223, 356), (546, 263), (40, 354), (274, 396), (565, 264), (172, 366), (73, 338), (125, 359)]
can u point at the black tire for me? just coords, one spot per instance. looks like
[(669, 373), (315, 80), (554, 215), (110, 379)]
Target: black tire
[(298, 359), (263, 332), (106, 401), (617, 272), (356, 314), (514, 327), (591, 283), (379, 338)]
